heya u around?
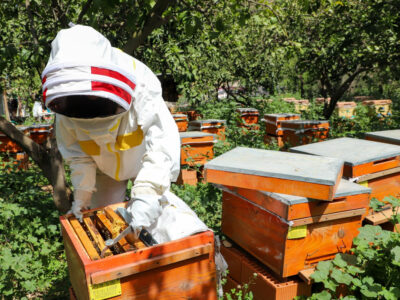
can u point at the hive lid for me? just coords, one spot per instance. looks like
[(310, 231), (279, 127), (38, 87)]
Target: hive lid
[(276, 164), (390, 136), (179, 116), (247, 109), (345, 188), (353, 151), (194, 134), (281, 115), (304, 122), (200, 122)]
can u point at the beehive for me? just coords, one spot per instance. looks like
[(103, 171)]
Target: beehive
[(248, 115), (40, 132), (181, 121), (7, 145), (271, 139), (346, 109), (290, 233), (372, 164), (180, 268), (209, 126), (322, 100), (273, 122), (299, 105), (196, 147), (275, 171), (300, 132), (385, 136), (381, 107), (265, 285)]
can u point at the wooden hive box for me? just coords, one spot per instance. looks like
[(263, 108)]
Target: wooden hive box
[(180, 268), (270, 139), (273, 122), (7, 145), (248, 115), (381, 107), (275, 171), (299, 105), (209, 126), (346, 109), (364, 160), (40, 132), (196, 147), (385, 136), (301, 132), (181, 121), (265, 285), (289, 233), (322, 100)]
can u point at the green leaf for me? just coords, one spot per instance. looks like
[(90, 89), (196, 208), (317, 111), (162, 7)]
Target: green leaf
[(339, 261), (396, 254), (341, 277), (375, 204)]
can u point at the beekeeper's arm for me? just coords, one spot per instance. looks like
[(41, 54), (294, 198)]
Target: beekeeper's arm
[(160, 163), (83, 168)]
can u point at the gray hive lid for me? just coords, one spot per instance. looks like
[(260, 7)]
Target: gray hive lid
[(246, 109), (194, 134), (354, 152), (282, 115), (304, 122), (40, 125), (179, 116), (389, 136), (201, 122), (345, 188), (277, 164)]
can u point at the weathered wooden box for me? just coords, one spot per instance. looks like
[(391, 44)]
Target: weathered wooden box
[(40, 132), (385, 136), (271, 139), (7, 145), (301, 132), (181, 121), (196, 147), (209, 126), (380, 107), (182, 268), (273, 124), (288, 233), (299, 105), (275, 171), (265, 285)]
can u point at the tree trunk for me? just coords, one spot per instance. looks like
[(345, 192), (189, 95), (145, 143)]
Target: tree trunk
[(49, 161)]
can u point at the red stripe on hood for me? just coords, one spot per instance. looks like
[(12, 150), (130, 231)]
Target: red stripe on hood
[(113, 74), (106, 87)]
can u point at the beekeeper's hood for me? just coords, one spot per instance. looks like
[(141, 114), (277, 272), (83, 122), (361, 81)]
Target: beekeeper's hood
[(83, 62)]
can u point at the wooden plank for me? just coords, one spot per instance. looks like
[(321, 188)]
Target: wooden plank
[(306, 275), (379, 217), (106, 224), (329, 217), (149, 264), (119, 222), (86, 242), (97, 238), (378, 174)]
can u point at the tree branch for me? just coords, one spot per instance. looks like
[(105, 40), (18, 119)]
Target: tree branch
[(84, 10), (153, 21), (31, 23)]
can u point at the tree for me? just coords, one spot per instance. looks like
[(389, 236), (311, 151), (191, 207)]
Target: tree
[(335, 42)]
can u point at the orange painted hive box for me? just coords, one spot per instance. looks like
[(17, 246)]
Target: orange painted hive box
[(248, 115), (290, 233), (130, 270), (265, 285), (209, 126), (300, 132), (40, 132), (273, 122), (181, 121), (371, 163), (276, 171), (7, 145), (196, 147)]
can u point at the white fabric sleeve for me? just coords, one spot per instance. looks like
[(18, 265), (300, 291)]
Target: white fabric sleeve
[(83, 168), (160, 163)]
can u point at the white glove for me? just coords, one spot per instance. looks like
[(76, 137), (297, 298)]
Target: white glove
[(144, 211), (81, 202)]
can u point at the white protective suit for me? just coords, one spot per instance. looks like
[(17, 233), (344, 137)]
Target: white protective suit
[(141, 143)]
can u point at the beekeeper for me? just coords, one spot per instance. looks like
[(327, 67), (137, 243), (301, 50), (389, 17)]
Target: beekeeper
[(112, 125)]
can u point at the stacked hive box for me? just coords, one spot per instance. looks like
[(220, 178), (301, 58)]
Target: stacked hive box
[(285, 233), (196, 150), (373, 164), (380, 107), (130, 270), (209, 126), (273, 127), (346, 109), (301, 132), (40, 132), (181, 121), (299, 105), (249, 118), (9, 150)]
